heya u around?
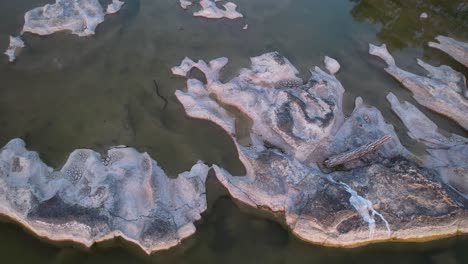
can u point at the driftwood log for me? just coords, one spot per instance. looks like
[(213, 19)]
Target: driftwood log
[(357, 153)]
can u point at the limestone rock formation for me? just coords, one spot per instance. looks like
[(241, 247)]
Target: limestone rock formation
[(93, 198), (80, 17), (295, 126), (16, 44), (457, 49), (443, 90), (448, 154), (114, 7), (185, 3), (331, 65), (209, 9)]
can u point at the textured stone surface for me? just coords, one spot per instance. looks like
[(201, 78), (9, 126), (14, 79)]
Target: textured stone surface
[(447, 153), (332, 65), (209, 9), (457, 49), (114, 7), (15, 46), (80, 17), (185, 3), (93, 198), (443, 90), (296, 125)]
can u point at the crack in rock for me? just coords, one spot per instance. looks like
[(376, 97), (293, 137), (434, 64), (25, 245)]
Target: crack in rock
[(91, 199)]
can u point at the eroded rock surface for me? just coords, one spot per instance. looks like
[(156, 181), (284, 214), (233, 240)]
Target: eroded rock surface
[(443, 90), (448, 154), (332, 65), (92, 198), (114, 7), (209, 9), (185, 3), (80, 17), (15, 46), (296, 125), (457, 49)]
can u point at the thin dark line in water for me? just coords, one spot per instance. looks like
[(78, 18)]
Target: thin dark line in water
[(159, 95)]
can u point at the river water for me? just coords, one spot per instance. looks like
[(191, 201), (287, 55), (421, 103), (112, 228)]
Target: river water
[(66, 92)]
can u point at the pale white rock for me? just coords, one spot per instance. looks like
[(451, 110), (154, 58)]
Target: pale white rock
[(114, 7), (211, 70), (94, 198), (80, 17), (16, 44), (424, 15), (296, 125), (382, 52), (185, 3), (457, 49), (447, 153), (211, 10), (246, 26), (444, 90), (331, 65)]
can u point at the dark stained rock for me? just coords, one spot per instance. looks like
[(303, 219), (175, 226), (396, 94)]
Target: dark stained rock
[(382, 195), (92, 199)]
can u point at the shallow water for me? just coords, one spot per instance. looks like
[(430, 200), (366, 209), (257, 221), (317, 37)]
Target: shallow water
[(66, 92)]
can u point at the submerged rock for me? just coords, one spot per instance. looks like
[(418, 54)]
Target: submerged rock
[(448, 154), (16, 44), (185, 3), (443, 90), (80, 17), (209, 9), (91, 199), (114, 7), (296, 126), (457, 49)]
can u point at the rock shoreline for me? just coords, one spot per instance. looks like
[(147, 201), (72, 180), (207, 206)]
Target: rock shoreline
[(376, 191), (386, 195), (92, 199), (80, 17)]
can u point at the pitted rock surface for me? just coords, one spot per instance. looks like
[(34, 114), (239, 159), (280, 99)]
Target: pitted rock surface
[(92, 199), (80, 17), (384, 195)]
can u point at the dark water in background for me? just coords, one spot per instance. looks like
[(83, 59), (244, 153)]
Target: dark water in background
[(66, 92)]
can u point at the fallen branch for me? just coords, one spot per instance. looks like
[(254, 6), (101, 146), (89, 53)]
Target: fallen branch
[(356, 153)]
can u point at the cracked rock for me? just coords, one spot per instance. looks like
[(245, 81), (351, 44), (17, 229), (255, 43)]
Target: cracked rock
[(296, 125), (92, 199)]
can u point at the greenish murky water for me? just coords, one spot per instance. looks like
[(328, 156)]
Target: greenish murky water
[(66, 92)]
